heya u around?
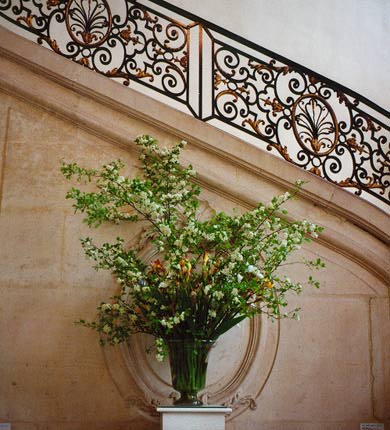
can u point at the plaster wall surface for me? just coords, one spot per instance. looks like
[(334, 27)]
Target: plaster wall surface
[(331, 368), (343, 40)]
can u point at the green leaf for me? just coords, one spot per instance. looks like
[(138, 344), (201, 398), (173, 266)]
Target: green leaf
[(227, 325)]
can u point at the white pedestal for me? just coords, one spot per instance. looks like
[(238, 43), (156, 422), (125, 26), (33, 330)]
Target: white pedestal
[(199, 418)]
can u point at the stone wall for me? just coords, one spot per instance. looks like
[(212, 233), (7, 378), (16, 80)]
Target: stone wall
[(330, 370)]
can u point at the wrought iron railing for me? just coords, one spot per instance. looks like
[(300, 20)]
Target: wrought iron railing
[(220, 78)]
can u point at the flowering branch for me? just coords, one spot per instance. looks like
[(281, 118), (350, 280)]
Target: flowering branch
[(209, 275)]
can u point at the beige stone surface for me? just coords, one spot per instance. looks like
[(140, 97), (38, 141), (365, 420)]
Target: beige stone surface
[(53, 370), (380, 355), (247, 422), (342, 275), (31, 247), (37, 143), (322, 370), (4, 121), (332, 368)]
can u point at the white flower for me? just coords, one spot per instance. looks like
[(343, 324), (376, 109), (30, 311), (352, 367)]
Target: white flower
[(162, 285), (234, 291), (106, 328), (207, 289), (236, 256), (239, 278), (212, 313), (250, 269), (218, 294), (225, 271), (252, 298), (121, 261), (259, 275)]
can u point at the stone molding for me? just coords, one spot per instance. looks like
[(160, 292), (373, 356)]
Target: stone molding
[(353, 227), (240, 390)]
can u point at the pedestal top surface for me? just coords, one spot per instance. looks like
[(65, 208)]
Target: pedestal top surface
[(197, 409)]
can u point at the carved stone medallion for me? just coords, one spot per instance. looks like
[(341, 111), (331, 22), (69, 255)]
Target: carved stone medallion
[(239, 363)]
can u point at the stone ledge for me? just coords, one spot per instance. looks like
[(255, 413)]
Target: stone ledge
[(95, 103)]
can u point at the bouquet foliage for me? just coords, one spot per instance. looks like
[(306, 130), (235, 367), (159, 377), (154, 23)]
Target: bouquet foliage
[(208, 275)]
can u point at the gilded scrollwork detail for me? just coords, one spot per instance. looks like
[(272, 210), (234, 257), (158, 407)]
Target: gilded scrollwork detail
[(283, 104)]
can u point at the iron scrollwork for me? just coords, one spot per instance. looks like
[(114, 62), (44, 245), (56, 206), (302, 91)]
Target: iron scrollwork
[(137, 44), (279, 103), (303, 117)]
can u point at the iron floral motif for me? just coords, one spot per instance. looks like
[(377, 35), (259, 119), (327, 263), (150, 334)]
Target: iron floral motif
[(88, 21), (315, 125)]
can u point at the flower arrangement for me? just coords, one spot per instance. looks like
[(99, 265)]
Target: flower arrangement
[(209, 275)]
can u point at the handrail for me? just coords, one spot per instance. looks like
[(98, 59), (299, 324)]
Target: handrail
[(223, 79)]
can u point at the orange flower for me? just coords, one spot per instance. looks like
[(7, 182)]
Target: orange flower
[(157, 266), (185, 265), (268, 283), (205, 258)]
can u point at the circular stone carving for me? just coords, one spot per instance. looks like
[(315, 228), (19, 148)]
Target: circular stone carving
[(315, 125), (239, 363), (239, 367), (88, 21)]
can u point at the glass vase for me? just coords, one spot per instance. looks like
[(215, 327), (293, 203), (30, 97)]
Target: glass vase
[(188, 362)]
